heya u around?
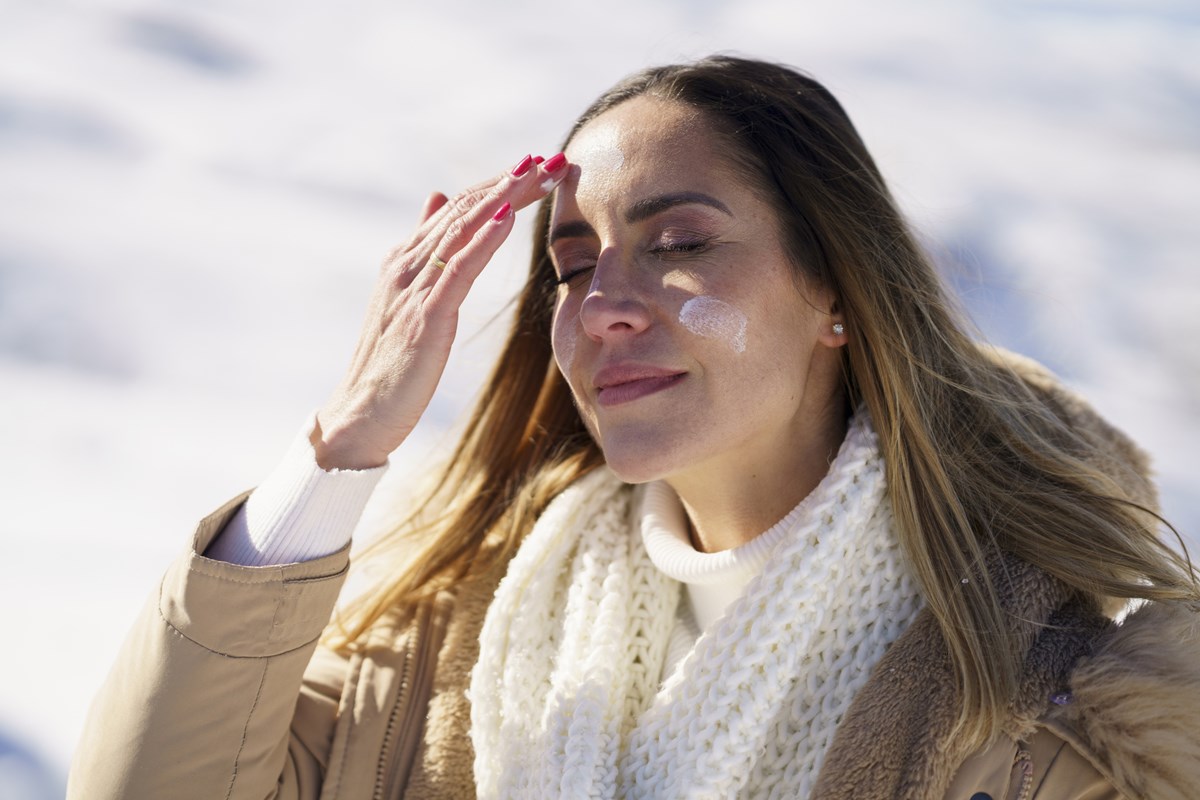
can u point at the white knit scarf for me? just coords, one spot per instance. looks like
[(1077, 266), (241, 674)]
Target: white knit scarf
[(566, 696)]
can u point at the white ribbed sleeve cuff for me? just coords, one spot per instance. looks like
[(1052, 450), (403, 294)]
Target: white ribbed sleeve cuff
[(300, 512)]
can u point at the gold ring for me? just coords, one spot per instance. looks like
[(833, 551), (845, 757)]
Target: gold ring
[(437, 262)]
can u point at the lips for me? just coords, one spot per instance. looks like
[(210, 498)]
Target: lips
[(623, 383)]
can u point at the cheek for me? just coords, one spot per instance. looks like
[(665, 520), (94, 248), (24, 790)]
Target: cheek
[(715, 319), (563, 339)]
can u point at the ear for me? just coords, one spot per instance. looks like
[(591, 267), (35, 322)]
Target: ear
[(833, 331)]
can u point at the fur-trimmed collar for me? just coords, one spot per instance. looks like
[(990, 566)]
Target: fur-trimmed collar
[(1134, 707), (896, 742), (1129, 693)]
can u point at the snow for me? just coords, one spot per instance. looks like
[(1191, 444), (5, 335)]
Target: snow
[(194, 198)]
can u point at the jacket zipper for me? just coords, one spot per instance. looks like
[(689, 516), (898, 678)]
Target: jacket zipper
[(1023, 771), (403, 726)]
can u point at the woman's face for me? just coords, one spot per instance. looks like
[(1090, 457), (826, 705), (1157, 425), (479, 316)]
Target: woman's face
[(679, 324)]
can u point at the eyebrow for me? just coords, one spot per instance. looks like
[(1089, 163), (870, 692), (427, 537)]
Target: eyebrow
[(639, 211), (644, 209)]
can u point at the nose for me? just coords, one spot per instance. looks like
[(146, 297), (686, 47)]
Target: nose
[(614, 305)]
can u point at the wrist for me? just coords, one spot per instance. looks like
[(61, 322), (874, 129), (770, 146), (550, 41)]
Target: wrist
[(341, 445)]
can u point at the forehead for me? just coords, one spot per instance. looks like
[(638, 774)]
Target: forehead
[(642, 147), (636, 127)]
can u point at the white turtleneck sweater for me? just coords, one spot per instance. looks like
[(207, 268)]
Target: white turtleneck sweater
[(301, 512), (711, 581)]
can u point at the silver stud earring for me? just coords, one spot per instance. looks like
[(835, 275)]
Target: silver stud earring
[(838, 329)]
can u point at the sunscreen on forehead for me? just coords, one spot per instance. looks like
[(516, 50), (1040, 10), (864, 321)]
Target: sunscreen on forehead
[(600, 150), (715, 319)]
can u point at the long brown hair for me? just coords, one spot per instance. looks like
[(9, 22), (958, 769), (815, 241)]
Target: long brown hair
[(977, 461)]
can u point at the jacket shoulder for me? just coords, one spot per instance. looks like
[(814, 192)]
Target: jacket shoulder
[(1112, 451), (1134, 703)]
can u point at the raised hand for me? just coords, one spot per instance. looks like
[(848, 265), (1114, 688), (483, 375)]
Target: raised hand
[(413, 315)]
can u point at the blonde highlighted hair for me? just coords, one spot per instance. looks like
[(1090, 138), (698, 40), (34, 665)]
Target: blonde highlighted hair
[(979, 459)]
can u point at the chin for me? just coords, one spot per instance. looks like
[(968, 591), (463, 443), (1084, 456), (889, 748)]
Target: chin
[(636, 465), (639, 453), (634, 475)]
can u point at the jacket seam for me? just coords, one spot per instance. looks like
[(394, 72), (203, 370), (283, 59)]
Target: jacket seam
[(246, 729), (1037, 792), (1070, 738), (344, 729), (158, 607), (176, 632), (267, 576)]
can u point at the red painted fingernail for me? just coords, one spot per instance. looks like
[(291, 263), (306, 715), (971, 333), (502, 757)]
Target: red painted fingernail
[(538, 159), (555, 163), (522, 166), (504, 211)]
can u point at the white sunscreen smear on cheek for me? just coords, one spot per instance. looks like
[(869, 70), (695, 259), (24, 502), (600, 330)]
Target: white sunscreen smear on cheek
[(715, 319)]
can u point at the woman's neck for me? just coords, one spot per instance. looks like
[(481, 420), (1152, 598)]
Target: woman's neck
[(730, 503)]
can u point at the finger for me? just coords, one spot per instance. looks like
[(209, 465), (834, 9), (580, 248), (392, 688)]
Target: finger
[(424, 242), (533, 182), (432, 204), (413, 255), (461, 202), (543, 178), (470, 259)]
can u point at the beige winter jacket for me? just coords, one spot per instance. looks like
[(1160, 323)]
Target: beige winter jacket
[(214, 694)]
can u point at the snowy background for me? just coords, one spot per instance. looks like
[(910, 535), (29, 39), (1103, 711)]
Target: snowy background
[(194, 198)]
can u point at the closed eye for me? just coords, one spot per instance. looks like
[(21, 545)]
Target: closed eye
[(681, 247), (569, 277)]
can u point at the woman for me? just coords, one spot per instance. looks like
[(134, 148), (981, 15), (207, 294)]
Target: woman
[(781, 528)]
